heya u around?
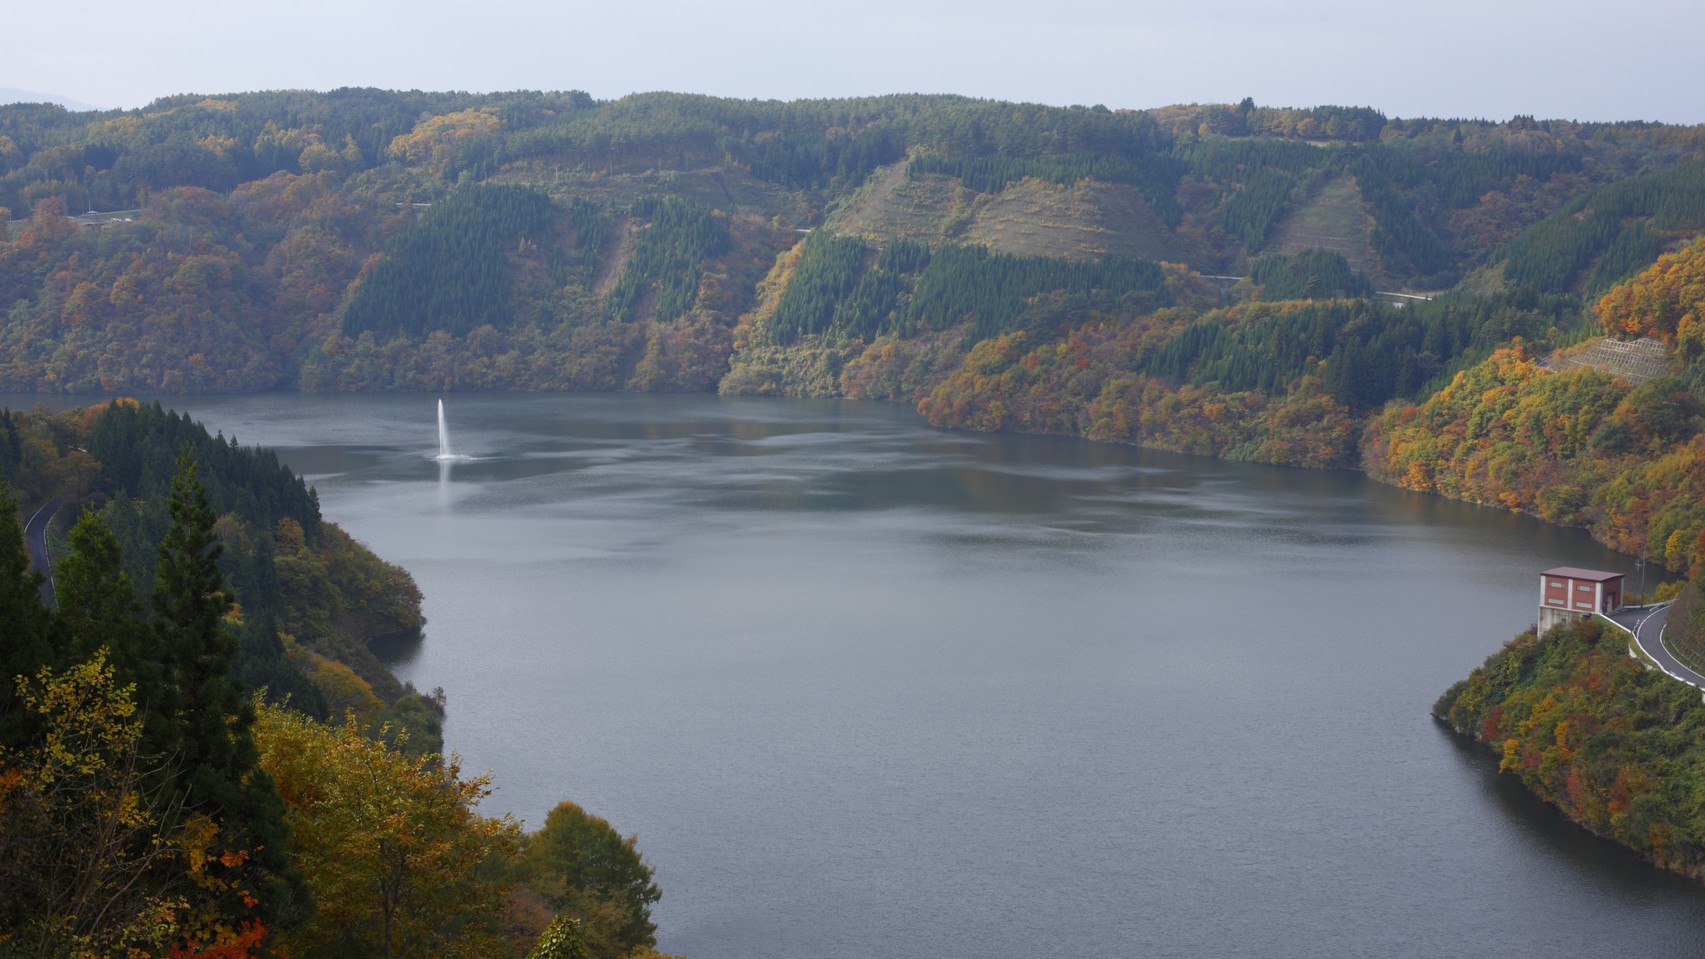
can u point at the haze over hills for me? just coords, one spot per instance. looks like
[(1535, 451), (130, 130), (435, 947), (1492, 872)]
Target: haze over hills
[(14, 95), (1080, 51)]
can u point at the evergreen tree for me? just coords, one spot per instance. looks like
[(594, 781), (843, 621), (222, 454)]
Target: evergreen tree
[(25, 639), (11, 447), (211, 738), (264, 666), (97, 603)]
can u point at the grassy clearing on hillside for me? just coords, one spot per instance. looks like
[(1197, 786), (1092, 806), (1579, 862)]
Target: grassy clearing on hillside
[(1082, 221), (1633, 360), (1028, 218), (1333, 219), (891, 205)]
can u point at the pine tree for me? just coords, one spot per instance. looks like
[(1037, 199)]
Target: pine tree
[(25, 626), (97, 604), (211, 736)]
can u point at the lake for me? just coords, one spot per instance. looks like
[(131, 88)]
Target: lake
[(866, 688)]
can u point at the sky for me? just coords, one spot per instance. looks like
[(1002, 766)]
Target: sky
[(1491, 59)]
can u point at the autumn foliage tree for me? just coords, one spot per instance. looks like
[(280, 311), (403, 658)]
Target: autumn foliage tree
[(129, 826), (1578, 447), (448, 142), (107, 854), (589, 871), (1619, 748), (1575, 446), (1667, 301), (399, 861), (84, 831)]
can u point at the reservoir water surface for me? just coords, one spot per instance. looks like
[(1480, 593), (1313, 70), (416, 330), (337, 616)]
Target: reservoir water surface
[(864, 688)]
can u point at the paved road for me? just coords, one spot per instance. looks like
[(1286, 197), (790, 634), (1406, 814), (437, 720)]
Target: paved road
[(35, 538), (1214, 276), (1647, 624)]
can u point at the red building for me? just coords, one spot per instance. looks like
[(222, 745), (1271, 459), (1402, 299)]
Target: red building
[(1567, 593)]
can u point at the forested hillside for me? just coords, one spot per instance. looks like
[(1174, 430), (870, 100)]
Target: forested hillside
[(1616, 746), (367, 239), (200, 758), (1210, 278), (1576, 446), (307, 599)]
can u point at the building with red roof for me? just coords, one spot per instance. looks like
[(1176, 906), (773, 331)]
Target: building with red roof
[(1568, 593)]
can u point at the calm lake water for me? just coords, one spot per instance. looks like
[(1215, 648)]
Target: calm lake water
[(864, 688)]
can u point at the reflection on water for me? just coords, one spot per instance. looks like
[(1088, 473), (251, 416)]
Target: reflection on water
[(399, 650), (1608, 869), (866, 688)]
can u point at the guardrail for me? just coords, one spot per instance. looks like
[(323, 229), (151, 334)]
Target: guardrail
[(1637, 649)]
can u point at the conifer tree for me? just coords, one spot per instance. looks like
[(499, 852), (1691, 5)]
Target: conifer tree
[(211, 736), (25, 640), (97, 603)]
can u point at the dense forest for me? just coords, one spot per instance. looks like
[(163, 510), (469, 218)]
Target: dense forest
[(1578, 446), (366, 239), (309, 600), (200, 756)]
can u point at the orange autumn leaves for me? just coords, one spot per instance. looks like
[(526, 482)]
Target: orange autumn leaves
[(1083, 385), (1616, 747), (1579, 447), (1667, 301)]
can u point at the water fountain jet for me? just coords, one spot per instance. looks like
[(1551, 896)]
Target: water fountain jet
[(444, 453)]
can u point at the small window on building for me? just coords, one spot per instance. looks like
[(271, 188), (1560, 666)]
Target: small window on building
[(1583, 587)]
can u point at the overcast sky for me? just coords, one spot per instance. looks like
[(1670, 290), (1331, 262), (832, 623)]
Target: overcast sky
[(1629, 60)]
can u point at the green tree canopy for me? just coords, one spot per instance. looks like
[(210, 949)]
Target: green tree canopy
[(592, 872)]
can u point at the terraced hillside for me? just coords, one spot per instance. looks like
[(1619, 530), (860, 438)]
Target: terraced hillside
[(1031, 217), (1636, 361), (1335, 218), (893, 205)]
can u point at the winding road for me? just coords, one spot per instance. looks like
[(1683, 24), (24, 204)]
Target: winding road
[(1647, 623), (35, 539)]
